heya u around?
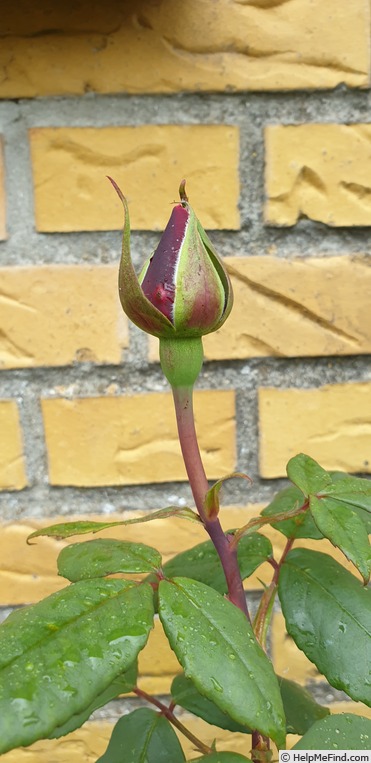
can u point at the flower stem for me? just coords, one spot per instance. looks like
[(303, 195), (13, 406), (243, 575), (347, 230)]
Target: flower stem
[(168, 713), (183, 401)]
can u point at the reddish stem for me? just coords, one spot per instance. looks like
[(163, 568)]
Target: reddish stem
[(260, 625), (183, 400), (168, 713), (260, 743), (260, 748)]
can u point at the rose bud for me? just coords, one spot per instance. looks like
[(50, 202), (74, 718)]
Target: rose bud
[(183, 290)]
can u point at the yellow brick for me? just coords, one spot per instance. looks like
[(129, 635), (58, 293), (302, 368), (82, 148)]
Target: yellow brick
[(56, 315), (26, 576), (157, 664), (132, 440), (148, 162), (358, 708), (280, 311), (2, 194), (331, 424), (91, 741), (12, 467), (155, 48), (85, 744), (319, 171)]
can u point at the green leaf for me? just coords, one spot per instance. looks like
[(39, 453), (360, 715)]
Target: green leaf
[(211, 500), (301, 526), (185, 694), (307, 475), (365, 516), (257, 523), (328, 614), (202, 562), (344, 529), (66, 529), (222, 757), (143, 736), (338, 732), (301, 709), (120, 685), (352, 490), (97, 558), (215, 645), (57, 656)]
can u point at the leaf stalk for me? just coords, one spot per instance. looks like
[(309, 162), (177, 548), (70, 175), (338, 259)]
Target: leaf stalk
[(168, 713)]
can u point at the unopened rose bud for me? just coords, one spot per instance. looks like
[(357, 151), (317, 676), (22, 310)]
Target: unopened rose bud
[(184, 278), (183, 291)]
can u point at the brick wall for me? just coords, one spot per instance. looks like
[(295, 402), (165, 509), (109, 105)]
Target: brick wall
[(264, 107)]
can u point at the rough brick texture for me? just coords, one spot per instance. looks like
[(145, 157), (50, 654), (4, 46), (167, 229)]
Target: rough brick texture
[(133, 440), (92, 740), (331, 424), (35, 574), (12, 467), (2, 193), (319, 171), (160, 47), (279, 309), (58, 315), (148, 162), (149, 92)]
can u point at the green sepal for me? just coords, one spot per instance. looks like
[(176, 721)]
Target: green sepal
[(223, 275), (195, 262), (135, 304)]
